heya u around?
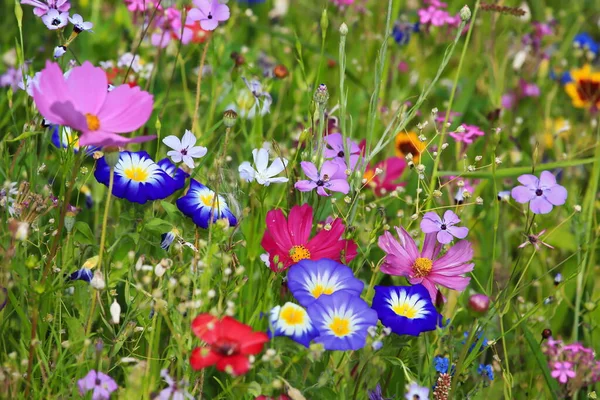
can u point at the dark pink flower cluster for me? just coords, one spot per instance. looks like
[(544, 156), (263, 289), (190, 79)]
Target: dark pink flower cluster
[(573, 365), (436, 15)]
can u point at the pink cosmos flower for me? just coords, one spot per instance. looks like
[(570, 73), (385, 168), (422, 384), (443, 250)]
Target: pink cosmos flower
[(209, 13), (81, 101), (42, 7), (329, 178), (563, 372), (426, 267), (445, 228), (436, 17), (142, 5)]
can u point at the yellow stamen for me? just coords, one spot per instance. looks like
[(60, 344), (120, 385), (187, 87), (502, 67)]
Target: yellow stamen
[(319, 289), (422, 267), (405, 310), (93, 122), (340, 326), (292, 316), (136, 174), (209, 200), (298, 253)]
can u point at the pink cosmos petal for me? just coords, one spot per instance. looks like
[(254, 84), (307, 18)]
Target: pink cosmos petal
[(557, 195), (430, 247), (69, 115), (458, 283), (310, 170), (459, 232), (390, 245), (450, 218), (429, 285), (529, 180), (306, 186), (457, 255), (85, 80), (547, 180), (408, 243), (453, 271), (300, 224), (393, 267), (444, 237), (126, 109), (52, 88), (431, 222), (339, 185), (522, 194), (101, 138), (539, 205)]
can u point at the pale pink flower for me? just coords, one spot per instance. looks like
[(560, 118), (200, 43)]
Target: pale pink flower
[(209, 13), (403, 258), (563, 371), (82, 102)]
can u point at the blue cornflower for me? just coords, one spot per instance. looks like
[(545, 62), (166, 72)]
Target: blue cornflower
[(441, 364), (63, 137), (585, 41), (486, 371), (402, 31), (166, 239)]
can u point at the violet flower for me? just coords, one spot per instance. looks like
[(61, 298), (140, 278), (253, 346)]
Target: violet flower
[(445, 228), (101, 384), (329, 178), (541, 194), (209, 13)]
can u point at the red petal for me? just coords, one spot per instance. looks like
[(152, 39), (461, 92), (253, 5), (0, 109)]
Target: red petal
[(300, 223), (350, 250), (253, 343), (203, 325), (203, 357), (326, 243), (278, 228), (233, 331), (236, 365)]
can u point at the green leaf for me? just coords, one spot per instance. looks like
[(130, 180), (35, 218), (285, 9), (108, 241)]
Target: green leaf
[(534, 345), (171, 209), (24, 135), (158, 225), (83, 233)]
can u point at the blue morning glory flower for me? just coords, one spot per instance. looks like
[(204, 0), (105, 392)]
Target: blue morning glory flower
[(407, 310), (83, 274), (308, 280), (199, 204), (486, 371), (178, 175), (585, 41), (137, 178), (292, 321), (342, 319)]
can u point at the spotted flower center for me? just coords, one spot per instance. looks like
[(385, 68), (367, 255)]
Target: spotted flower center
[(319, 289), (422, 267), (405, 310), (93, 122), (340, 326), (136, 173), (292, 316), (299, 252), (210, 16), (539, 192)]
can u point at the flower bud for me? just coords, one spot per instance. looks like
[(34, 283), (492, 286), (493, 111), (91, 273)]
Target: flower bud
[(97, 281), (229, 118), (111, 156), (69, 221), (59, 51), (546, 333), (479, 303), (115, 312), (321, 95), (343, 29), (465, 13)]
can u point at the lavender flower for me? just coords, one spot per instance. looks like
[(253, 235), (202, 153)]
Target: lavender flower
[(329, 178), (445, 228), (175, 390), (541, 194), (101, 384)]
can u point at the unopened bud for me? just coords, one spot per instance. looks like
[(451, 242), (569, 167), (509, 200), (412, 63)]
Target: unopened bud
[(343, 29), (229, 118), (465, 13), (479, 303)]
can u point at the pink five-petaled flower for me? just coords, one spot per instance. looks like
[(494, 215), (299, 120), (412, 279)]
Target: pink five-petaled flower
[(209, 13), (445, 228), (41, 7), (562, 371), (329, 178), (541, 194), (99, 383), (81, 101), (425, 267)]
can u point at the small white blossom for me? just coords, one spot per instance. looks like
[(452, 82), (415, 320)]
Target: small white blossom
[(184, 149), (262, 172), (80, 24), (115, 312), (55, 20)]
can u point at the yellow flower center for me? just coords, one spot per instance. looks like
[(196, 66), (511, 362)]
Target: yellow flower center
[(298, 253), (319, 289), (340, 326), (292, 316), (422, 267), (209, 200), (136, 174), (93, 122), (405, 310)]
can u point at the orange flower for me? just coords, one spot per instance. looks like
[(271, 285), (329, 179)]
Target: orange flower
[(408, 142), (584, 90)]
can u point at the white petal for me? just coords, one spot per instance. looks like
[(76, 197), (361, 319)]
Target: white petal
[(188, 140), (197, 151), (189, 161), (261, 159), (175, 156), (246, 171), (276, 167), (173, 142)]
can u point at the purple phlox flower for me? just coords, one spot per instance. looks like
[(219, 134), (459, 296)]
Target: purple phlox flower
[(335, 150), (441, 117), (541, 194), (12, 77), (209, 13), (467, 133), (55, 19), (42, 7), (436, 17), (175, 390), (101, 384), (529, 89), (562, 371), (445, 228), (329, 178), (535, 241), (376, 394), (509, 100)]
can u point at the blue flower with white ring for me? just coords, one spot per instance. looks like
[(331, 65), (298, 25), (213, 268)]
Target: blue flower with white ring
[(63, 137), (292, 321), (343, 320), (308, 280), (407, 310), (137, 178), (200, 204), (178, 175)]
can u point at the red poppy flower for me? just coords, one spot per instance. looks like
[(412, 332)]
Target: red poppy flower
[(229, 343), (288, 241), (386, 181)]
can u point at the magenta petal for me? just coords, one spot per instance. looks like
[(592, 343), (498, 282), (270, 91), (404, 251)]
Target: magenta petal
[(125, 109), (459, 232), (547, 180), (408, 244), (522, 194), (310, 170), (430, 223), (444, 237), (103, 139), (451, 282), (557, 195), (69, 116), (430, 247), (305, 186), (339, 185), (529, 180), (540, 205), (87, 85)]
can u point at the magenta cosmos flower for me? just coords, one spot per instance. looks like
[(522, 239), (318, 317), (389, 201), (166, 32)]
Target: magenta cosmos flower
[(209, 13), (541, 194), (329, 178), (444, 228), (426, 267), (82, 102)]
